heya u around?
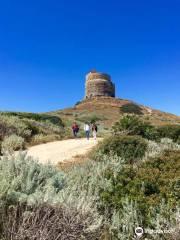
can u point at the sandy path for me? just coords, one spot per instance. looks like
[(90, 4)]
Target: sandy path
[(61, 151)]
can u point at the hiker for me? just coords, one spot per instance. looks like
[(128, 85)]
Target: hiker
[(87, 130), (75, 129), (94, 130)]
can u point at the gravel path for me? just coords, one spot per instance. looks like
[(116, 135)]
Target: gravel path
[(61, 151)]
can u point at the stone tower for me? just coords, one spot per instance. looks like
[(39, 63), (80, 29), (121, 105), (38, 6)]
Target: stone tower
[(99, 84)]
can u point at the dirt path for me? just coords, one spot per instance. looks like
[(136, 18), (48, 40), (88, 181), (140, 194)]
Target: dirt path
[(61, 151)]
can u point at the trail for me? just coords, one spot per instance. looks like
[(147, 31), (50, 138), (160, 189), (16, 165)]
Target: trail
[(61, 151)]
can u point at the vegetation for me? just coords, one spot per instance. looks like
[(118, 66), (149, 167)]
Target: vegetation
[(170, 131), (146, 189), (132, 125), (24, 127), (12, 143), (35, 116), (130, 180), (131, 108), (32, 205), (130, 148)]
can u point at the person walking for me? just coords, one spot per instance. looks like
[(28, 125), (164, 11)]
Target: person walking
[(87, 130), (75, 129), (94, 131)]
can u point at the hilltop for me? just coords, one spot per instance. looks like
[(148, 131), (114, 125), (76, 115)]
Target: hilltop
[(108, 110)]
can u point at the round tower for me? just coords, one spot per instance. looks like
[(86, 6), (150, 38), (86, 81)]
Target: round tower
[(99, 84)]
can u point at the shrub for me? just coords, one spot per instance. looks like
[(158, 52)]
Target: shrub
[(12, 143), (130, 148), (35, 116), (34, 203), (13, 125), (132, 125), (41, 138), (130, 196), (170, 131), (23, 179), (150, 183), (40, 222), (131, 108), (24, 125), (157, 148)]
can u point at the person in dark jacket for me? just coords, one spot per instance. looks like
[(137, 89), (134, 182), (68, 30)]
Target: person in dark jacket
[(75, 129)]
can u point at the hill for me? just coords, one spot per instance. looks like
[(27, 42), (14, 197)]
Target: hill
[(107, 110)]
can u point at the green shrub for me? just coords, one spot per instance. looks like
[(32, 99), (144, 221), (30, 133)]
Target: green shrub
[(170, 131), (150, 183), (132, 125), (130, 148), (12, 143), (131, 108)]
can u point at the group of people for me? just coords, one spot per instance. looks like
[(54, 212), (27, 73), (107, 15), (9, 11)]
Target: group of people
[(87, 129)]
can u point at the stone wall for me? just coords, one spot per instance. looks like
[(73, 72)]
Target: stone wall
[(99, 84)]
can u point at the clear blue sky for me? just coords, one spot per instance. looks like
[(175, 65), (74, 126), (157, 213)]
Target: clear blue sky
[(47, 47)]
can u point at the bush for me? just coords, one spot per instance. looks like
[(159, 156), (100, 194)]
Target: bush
[(170, 131), (132, 125), (131, 108), (13, 125), (41, 138), (12, 143), (23, 179), (34, 203), (130, 148), (35, 116), (40, 222), (24, 125), (150, 183), (130, 196)]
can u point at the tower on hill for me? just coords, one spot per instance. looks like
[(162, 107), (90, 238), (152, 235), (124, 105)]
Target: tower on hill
[(98, 85)]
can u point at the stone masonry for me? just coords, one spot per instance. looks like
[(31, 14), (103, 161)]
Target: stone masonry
[(99, 84)]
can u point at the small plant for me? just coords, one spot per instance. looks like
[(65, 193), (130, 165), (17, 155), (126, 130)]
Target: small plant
[(12, 143)]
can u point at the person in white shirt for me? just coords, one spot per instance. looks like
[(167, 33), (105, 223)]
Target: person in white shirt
[(87, 130)]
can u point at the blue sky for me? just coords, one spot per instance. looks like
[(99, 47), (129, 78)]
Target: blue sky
[(47, 47)]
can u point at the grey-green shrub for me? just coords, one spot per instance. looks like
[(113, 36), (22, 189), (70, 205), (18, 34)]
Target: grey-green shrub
[(13, 125), (12, 143), (24, 179), (41, 188), (41, 138)]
